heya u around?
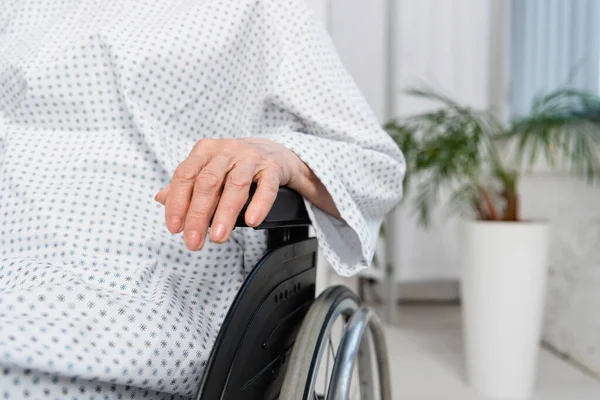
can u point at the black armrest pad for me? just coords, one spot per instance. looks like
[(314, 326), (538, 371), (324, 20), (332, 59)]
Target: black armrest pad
[(287, 211)]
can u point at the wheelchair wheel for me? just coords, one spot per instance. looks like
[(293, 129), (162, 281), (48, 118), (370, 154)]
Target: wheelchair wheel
[(309, 376)]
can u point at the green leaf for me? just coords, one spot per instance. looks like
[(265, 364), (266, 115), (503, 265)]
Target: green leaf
[(455, 148)]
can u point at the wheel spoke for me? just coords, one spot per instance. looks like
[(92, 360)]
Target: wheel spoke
[(315, 341), (331, 348)]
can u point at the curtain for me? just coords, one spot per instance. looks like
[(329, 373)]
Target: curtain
[(554, 44)]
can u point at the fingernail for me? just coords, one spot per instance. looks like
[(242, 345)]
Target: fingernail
[(252, 219), (175, 224), (218, 231), (193, 240)]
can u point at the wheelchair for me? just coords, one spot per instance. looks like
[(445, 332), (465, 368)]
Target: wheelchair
[(276, 335)]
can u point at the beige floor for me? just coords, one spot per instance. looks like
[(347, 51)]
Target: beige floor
[(427, 361)]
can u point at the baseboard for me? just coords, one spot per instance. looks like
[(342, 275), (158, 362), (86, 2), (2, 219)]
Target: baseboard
[(564, 356), (423, 292), (429, 291), (446, 291)]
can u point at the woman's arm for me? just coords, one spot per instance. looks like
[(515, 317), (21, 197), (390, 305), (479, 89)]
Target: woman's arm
[(314, 133), (322, 116), (313, 190)]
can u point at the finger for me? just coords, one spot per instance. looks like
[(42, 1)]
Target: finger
[(263, 199), (161, 196), (207, 190), (233, 199), (180, 191)]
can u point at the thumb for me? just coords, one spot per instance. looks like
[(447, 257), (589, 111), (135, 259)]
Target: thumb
[(161, 196)]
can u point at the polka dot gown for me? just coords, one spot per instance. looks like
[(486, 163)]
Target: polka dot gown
[(100, 101)]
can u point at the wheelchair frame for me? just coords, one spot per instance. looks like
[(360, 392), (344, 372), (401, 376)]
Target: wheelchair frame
[(255, 343)]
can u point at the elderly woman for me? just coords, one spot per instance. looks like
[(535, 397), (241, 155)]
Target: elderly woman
[(112, 109)]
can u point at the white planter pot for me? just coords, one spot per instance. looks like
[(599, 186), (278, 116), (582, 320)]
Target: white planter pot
[(503, 283)]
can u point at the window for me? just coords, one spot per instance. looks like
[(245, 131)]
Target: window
[(554, 44)]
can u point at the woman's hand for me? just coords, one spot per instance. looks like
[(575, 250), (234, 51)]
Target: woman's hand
[(215, 181)]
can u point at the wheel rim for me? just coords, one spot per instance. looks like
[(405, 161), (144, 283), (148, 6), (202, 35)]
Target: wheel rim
[(344, 310), (309, 371)]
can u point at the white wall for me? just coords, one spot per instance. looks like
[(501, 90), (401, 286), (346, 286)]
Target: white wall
[(320, 8), (358, 30), (445, 45), (572, 317)]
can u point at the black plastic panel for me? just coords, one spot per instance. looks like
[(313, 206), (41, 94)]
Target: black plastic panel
[(250, 354)]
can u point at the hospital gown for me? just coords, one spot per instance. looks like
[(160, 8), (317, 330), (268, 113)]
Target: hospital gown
[(100, 101)]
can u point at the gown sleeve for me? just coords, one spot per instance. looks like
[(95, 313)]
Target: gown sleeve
[(317, 111)]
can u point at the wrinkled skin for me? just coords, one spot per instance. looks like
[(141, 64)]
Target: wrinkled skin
[(215, 181)]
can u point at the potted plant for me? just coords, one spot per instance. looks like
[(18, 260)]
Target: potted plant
[(474, 161)]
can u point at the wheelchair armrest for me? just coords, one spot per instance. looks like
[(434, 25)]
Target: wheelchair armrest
[(287, 211)]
